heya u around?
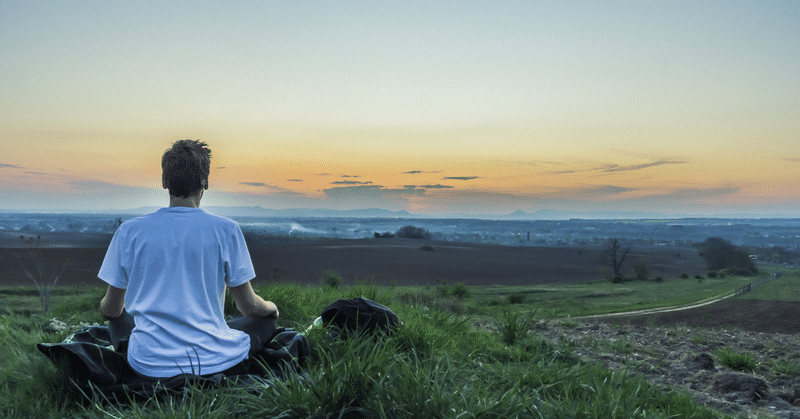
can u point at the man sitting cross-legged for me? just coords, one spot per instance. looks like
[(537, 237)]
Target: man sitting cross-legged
[(167, 274)]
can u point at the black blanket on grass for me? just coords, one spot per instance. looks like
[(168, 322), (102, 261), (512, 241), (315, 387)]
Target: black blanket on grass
[(100, 371)]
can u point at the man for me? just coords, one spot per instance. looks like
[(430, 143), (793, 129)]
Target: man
[(167, 273)]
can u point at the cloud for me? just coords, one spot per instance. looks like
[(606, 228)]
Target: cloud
[(460, 177), (604, 190), (414, 172), (350, 182), (10, 166), (281, 191), (617, 168), (294, 180), (792, 159), (351, 176), (437, 186), (613, 168), (323, 174)]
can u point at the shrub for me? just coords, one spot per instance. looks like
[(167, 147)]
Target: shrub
[(516, 298), (786, 367), (640, 271), (711, 274), (618, 279), (736, 361), (331, 279), (514, 325), (739, 271), (460, 291), (427, 248), (659, 279), (441, 289), (411, 232), (684, 275)]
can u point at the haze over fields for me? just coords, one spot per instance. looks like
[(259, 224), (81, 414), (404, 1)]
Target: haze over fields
[(435, 108)]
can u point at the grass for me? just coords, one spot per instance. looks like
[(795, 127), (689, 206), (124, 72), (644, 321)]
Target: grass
[(787, 288), (603, 296), (736, 360), (453, 358)]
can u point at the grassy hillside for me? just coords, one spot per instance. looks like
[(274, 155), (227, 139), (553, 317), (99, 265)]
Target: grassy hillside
[(464, 352)]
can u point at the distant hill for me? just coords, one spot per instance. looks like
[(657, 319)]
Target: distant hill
[(544, 214)]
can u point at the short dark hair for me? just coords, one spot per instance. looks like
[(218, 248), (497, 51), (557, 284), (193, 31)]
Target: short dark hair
[(185, 166)]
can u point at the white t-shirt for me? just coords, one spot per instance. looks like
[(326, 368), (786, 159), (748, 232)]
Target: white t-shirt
[(174, 265)]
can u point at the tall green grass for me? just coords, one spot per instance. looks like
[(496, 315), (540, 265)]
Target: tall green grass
[(438, 365)]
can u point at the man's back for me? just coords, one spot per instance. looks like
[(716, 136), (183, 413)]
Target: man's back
[(174, 265)]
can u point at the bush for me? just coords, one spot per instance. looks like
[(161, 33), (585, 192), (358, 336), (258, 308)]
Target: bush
[(711, 274), (441, 289), (427, 248), (684, 275), (659, 279), (514, 326), (516, 298), (640, 271), (411, 232), (618, 279), (460, 291), (736, 361), (739, 272), (331, 279)]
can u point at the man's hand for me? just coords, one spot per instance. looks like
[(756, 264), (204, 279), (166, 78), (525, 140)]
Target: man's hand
[(251, 304), (113, 303)]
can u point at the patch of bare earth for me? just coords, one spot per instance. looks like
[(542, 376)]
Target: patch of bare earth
[(685, 357)]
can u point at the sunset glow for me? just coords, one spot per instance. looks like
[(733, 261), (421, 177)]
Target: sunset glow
[(433, 107)]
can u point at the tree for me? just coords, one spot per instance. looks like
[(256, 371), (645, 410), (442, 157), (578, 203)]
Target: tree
[(721, 254), (411, 232), (45, 275), (615, 253)]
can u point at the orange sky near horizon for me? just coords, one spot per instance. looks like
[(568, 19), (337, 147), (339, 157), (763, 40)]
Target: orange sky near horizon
[(462, 108)]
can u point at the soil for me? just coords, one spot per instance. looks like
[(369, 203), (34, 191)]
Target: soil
[(380, 261), (679, 356)]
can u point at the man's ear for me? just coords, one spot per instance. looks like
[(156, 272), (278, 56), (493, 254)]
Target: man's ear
[(204, 182), (164, 183)]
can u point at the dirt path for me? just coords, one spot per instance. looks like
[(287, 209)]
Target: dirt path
[(701, 303)]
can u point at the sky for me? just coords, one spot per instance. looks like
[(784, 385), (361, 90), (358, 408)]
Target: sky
[(438, 108)]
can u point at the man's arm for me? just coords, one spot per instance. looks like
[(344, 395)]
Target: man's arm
[(251, 304), (113, 302)]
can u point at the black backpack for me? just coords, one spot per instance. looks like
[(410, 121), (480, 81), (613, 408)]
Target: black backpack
[(354, 314)]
